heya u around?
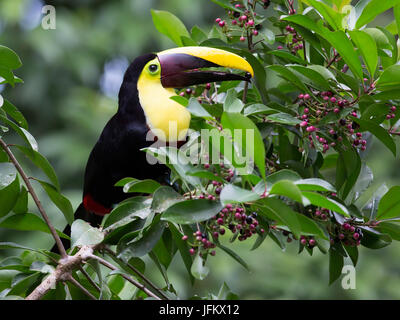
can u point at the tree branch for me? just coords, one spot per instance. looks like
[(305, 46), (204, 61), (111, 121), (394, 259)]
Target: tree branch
[(62, 272), (60, 246), (126, 277), (138, 273), (80, 287)]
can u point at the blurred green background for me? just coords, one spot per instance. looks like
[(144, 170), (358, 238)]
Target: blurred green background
[(72, 76)]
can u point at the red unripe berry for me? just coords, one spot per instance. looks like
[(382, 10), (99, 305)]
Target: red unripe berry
[(221, 24), (280, 48), (336, 110), (243, 18), (356, 236), (301, 96), (218, 20), (255, 32), (242, 38), (303, 124), (191, 251), (250, 22), (307, 96), (303, 241), (393, 108), (220, 221), (333, 100), (185, 237), (312, 242), (311, 129), (346, 226), (234, 22), (306, 110), (341, 236)]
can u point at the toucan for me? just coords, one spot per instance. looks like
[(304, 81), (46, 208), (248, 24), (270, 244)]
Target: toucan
[(144, 106)]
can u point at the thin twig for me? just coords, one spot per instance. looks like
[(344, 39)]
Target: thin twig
[(80, 287), (94, 284), (60, 246), (138, 273), (126, 277)]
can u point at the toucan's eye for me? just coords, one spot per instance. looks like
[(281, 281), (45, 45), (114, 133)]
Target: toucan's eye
[(153, 68)]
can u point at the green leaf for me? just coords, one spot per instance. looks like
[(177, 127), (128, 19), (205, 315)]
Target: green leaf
[(232, 121), (283, 118), (8, 174), (287, 56), (314, 184), (30, 140), (389, 206), (367, 46), (310, 227), (8, 58), (198, 35), (275, 209), (268, 35), (82, 234), (324, 202), (234, 255), (234, 194), (338, 39), (59, 200), (378, 132), (313, 77), (199, 270), (142, 246), (25, 222), (9, 194), (372, 9), (288, 75), (232, 103), (390, 228), (334, 18), (192, 211), (182, 247), (389, 79), (288, 189), (335, 265), (127, 211), (169, 25), (141, 186), (14, 113), (176, 160), (41, 162), (163, 198), (196, 109)]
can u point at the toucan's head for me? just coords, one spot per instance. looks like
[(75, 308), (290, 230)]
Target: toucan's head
[(155, 75)]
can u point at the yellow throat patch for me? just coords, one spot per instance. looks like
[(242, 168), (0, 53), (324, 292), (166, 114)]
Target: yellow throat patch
[(167, 119)]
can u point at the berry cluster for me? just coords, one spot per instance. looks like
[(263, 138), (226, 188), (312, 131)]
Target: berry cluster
[(308, 241), (392, 113), (201, 243), (313, 110), (295, 41), (242, 21), (235, 219), (348, 234)]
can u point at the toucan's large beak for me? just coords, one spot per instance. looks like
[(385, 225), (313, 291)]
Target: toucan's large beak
[(180, 67)]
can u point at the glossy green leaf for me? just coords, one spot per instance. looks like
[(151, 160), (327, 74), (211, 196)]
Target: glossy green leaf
[(372, 9), (389, 206), (8, 58), (192, 211), (82, 234), (325, 202), (199, 270), (288, 189), (169, 25), (233, 194), (366, 44), (59, 200), (255, 148), (314, 184), (283, 118)]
